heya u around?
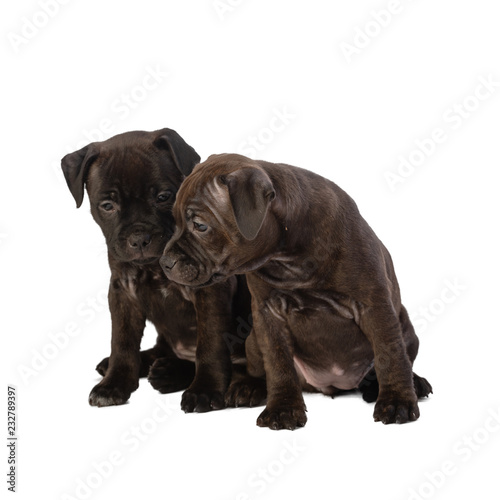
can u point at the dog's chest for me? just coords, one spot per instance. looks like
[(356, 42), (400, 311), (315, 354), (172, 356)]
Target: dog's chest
[(139, 284), (284, 303), (286, 272), (158, 297)]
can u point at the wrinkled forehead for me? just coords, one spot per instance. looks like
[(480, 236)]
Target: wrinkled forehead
[(203, 193), (200, 191), (131, 169), (205, 178)]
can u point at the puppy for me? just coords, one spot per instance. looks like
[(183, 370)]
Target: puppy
[(132, 180), (326, 304)]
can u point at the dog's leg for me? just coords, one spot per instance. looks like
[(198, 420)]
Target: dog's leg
[(248, 385), (397, 399), (122, 375), (285, 407), (148, 357), (422, 387), (409, 336), (369, 387), (213, 361), (164, 370)]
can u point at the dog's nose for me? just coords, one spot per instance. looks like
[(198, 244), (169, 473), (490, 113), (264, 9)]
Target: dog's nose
[(167, 262), (139, 240)]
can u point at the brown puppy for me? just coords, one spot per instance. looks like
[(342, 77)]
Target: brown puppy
[(326, 304), (132, 180)]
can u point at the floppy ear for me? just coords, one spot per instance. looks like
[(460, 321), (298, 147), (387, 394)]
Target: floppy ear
[(184, 156), (250, 191), (75, 167)]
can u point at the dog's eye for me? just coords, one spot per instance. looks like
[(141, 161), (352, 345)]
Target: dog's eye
[(200, 227), (163, 197), (107, 206)]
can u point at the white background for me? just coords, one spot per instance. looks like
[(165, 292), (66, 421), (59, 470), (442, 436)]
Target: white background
[(353, 118)]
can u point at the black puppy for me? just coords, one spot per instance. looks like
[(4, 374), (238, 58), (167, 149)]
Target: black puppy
[(326, 303), (132, 180)]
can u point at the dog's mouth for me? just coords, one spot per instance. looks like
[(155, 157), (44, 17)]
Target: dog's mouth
[(216, 277), (141, 253), (145, 260), (139, 259)]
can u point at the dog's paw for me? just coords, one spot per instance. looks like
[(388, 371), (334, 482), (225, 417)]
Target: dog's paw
[(201, 401), (422, 387), (102, 367), (171, 375), (249, 391), (105, 394), (369, 387), (283, 418), (396, 410)]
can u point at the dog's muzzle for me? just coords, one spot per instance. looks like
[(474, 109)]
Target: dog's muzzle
[(179, 271), (167, 263)]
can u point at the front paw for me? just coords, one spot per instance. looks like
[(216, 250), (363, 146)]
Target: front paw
[(202, 400), (109, 394), (283, 418), (396, 409)]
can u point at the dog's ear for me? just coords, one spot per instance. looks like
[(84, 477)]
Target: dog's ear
[(184, 156), (75, 167), (251, 191)]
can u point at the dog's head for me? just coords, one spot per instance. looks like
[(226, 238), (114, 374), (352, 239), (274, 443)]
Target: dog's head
[(132, 181), (222, 222)]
